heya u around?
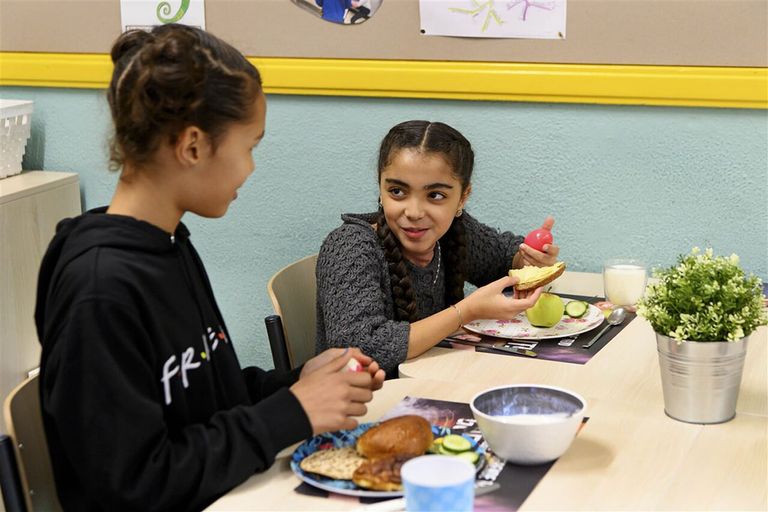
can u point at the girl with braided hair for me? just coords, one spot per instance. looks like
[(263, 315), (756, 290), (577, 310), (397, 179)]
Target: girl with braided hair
[(144, 403), (392, 282)]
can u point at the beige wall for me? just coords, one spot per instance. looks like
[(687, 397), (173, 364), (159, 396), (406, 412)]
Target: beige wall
[(662, 32)]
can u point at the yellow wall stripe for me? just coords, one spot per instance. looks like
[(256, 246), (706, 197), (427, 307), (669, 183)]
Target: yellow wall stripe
[(569, 83)]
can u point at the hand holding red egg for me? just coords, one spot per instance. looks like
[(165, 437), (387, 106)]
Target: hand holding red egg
[(537, 238), (538, 248)]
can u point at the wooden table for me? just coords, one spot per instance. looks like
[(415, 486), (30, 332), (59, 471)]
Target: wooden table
[(629, 456), (626, 369)]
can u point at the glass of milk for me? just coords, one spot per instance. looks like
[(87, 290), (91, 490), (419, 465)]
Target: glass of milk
[(624, 281)]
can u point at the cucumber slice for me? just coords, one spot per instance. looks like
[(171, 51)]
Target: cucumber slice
[(436, 445), (472, 457), (469, 455), (456, 443), (576, 308)]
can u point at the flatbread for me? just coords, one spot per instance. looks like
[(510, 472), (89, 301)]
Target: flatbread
[(533, 277), (336, 463)]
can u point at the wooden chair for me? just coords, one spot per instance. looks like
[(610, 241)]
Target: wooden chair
[(24, 423), (293, 291)]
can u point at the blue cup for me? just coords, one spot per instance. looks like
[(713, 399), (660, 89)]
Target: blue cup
[(438, 483)]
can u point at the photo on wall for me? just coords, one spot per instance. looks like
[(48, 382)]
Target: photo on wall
[(342, 12)]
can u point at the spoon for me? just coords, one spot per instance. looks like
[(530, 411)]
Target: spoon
[(615, 318)]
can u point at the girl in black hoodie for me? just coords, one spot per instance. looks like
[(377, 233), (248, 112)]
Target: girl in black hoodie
[(144, 402)]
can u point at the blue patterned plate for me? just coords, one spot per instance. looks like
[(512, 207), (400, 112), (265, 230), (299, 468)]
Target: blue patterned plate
[(342, 439)]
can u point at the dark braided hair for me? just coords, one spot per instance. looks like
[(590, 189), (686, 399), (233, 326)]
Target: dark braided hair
[(426, 137), (170, 78)]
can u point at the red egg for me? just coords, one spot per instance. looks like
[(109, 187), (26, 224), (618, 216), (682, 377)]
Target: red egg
[(537, 238)]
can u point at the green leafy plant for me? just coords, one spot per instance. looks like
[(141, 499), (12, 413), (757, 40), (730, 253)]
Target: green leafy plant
[(704, 298)]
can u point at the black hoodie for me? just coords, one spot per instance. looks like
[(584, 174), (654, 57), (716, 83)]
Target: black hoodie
[(144, 402)]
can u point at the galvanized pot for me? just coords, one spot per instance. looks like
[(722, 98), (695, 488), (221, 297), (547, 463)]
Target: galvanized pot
[(701, 379)]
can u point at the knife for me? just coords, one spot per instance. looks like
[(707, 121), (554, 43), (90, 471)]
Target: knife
[(514, 350)]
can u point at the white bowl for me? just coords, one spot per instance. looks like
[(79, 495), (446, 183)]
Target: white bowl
[(528, 423)]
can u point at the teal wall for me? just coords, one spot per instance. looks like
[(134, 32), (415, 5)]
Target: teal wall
[(647, 182)]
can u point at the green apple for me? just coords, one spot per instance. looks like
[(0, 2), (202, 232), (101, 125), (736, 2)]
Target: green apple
[(547, 311)]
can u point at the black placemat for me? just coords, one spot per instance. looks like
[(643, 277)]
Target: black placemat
[(516, 482), (549, 349)]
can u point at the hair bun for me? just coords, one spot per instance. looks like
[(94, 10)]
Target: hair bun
[(128, 43), (175, 59)]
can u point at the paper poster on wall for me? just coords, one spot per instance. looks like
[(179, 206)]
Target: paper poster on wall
[(145, 14), (534, 19)]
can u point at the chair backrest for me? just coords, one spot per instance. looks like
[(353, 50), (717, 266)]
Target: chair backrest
[(24, 422), (277, 345), (293, 291), (10, 480)]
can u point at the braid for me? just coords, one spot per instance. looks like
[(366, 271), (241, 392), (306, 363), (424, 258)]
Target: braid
[(455, 260), (161, 65), (399, 277)]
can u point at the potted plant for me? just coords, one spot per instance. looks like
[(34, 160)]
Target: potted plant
[(703, 310)]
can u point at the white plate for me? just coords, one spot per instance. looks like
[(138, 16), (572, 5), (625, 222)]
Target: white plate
[(520, 327)]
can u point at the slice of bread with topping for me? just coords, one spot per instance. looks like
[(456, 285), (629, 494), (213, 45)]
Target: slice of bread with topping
[(533, 277)]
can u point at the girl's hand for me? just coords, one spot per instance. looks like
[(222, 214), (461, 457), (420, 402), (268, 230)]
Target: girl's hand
[(527, 255), (490, 301), (325, 357), (331, 397)]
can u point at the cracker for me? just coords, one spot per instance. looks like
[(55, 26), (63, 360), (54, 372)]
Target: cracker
[(336, 463)]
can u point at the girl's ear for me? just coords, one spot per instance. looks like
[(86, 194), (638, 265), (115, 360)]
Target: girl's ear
[(465, 196), (191, 146)]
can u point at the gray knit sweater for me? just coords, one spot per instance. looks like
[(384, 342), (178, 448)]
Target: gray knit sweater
[(354, 298)]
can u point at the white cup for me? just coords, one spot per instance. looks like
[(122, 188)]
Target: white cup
[(438, 483), (624, 281)]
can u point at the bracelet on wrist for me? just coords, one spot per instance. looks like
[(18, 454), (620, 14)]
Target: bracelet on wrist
[(458, 312)]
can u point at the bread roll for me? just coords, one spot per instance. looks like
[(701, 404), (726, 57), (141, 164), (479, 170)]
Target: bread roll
[(403, 435), (533, 277)]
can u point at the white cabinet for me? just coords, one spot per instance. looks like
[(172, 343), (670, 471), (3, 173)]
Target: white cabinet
[(31, 204)]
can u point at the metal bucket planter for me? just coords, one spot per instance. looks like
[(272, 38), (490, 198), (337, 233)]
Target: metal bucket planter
[(701, 380)]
